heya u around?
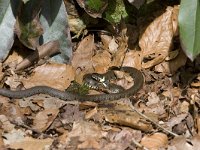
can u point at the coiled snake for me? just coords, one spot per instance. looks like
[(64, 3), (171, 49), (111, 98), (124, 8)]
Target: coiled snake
[(67, 96)]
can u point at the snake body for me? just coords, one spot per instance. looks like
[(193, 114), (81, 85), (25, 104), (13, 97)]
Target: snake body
[(67, 96)]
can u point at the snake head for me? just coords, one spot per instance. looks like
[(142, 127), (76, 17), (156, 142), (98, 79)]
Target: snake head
[(99, 77)]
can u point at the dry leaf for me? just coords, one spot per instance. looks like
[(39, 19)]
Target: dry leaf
[(172, 93), (13, 136), (106, 39), (29, 143), (152, 98), (58, 76), (13, 59), (176, 120), (173, 65), (122, 139), (1, 140), (82, 57), (196, 142), (88, 135), (180, 143), (109, 43), (126, 118), (184, 108), (155, 141), (28, 103), (101, 61), (156, 41), (13, 81), (91, 113), (5, 124), (1, 73), (90, 143), (175, 20), (44, 119), (113, 46), (198, 124), (118, 57), (133, 59), (70, 114)]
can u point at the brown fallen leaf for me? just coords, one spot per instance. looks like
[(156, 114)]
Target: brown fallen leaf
[(109, 43), (123, 139), (184, 107), (44, 119), (183, 143), (133, 59), (1, 140), (126, 118), (1, 73), (58, 76), (6, 125), (174, 93), (90, 143), (88, 134), (172, 65), (118, 57), (176, 120), (101, 61), (28, 103), (15, 135), (70, 114), (29, 143), (154, 107), (196, 141), (156, 41), (82, 57), (155, 141), (198, 124)]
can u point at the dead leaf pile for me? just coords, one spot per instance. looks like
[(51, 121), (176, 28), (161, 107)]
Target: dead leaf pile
[(162, 115)]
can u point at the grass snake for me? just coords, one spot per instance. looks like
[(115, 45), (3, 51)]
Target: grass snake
[(67, 96)]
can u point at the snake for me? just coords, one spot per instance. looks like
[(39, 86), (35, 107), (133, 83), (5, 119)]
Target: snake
[(69, 96)]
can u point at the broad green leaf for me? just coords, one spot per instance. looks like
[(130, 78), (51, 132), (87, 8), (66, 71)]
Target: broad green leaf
[(94, 8), (7, 21), (54, 22), (115, 11), (94, 5), (189, 25)]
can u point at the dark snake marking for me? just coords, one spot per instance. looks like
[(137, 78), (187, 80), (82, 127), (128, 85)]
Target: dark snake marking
[(68, 96)]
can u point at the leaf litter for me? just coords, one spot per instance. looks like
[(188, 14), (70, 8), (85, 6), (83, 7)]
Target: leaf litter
[(157, 117)]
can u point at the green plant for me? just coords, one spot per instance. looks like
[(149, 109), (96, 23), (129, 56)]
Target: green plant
[(189, 25), (35, 22)]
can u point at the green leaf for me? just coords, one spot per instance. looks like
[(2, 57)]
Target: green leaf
[(54, 21), (94, 5), (189, 25), (7, 21), (115, 11)]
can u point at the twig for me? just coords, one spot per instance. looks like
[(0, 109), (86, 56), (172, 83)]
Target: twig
[(144, 116), (139, 145)]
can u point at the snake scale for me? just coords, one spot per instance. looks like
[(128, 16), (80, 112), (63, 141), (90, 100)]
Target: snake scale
[(67, 96)]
